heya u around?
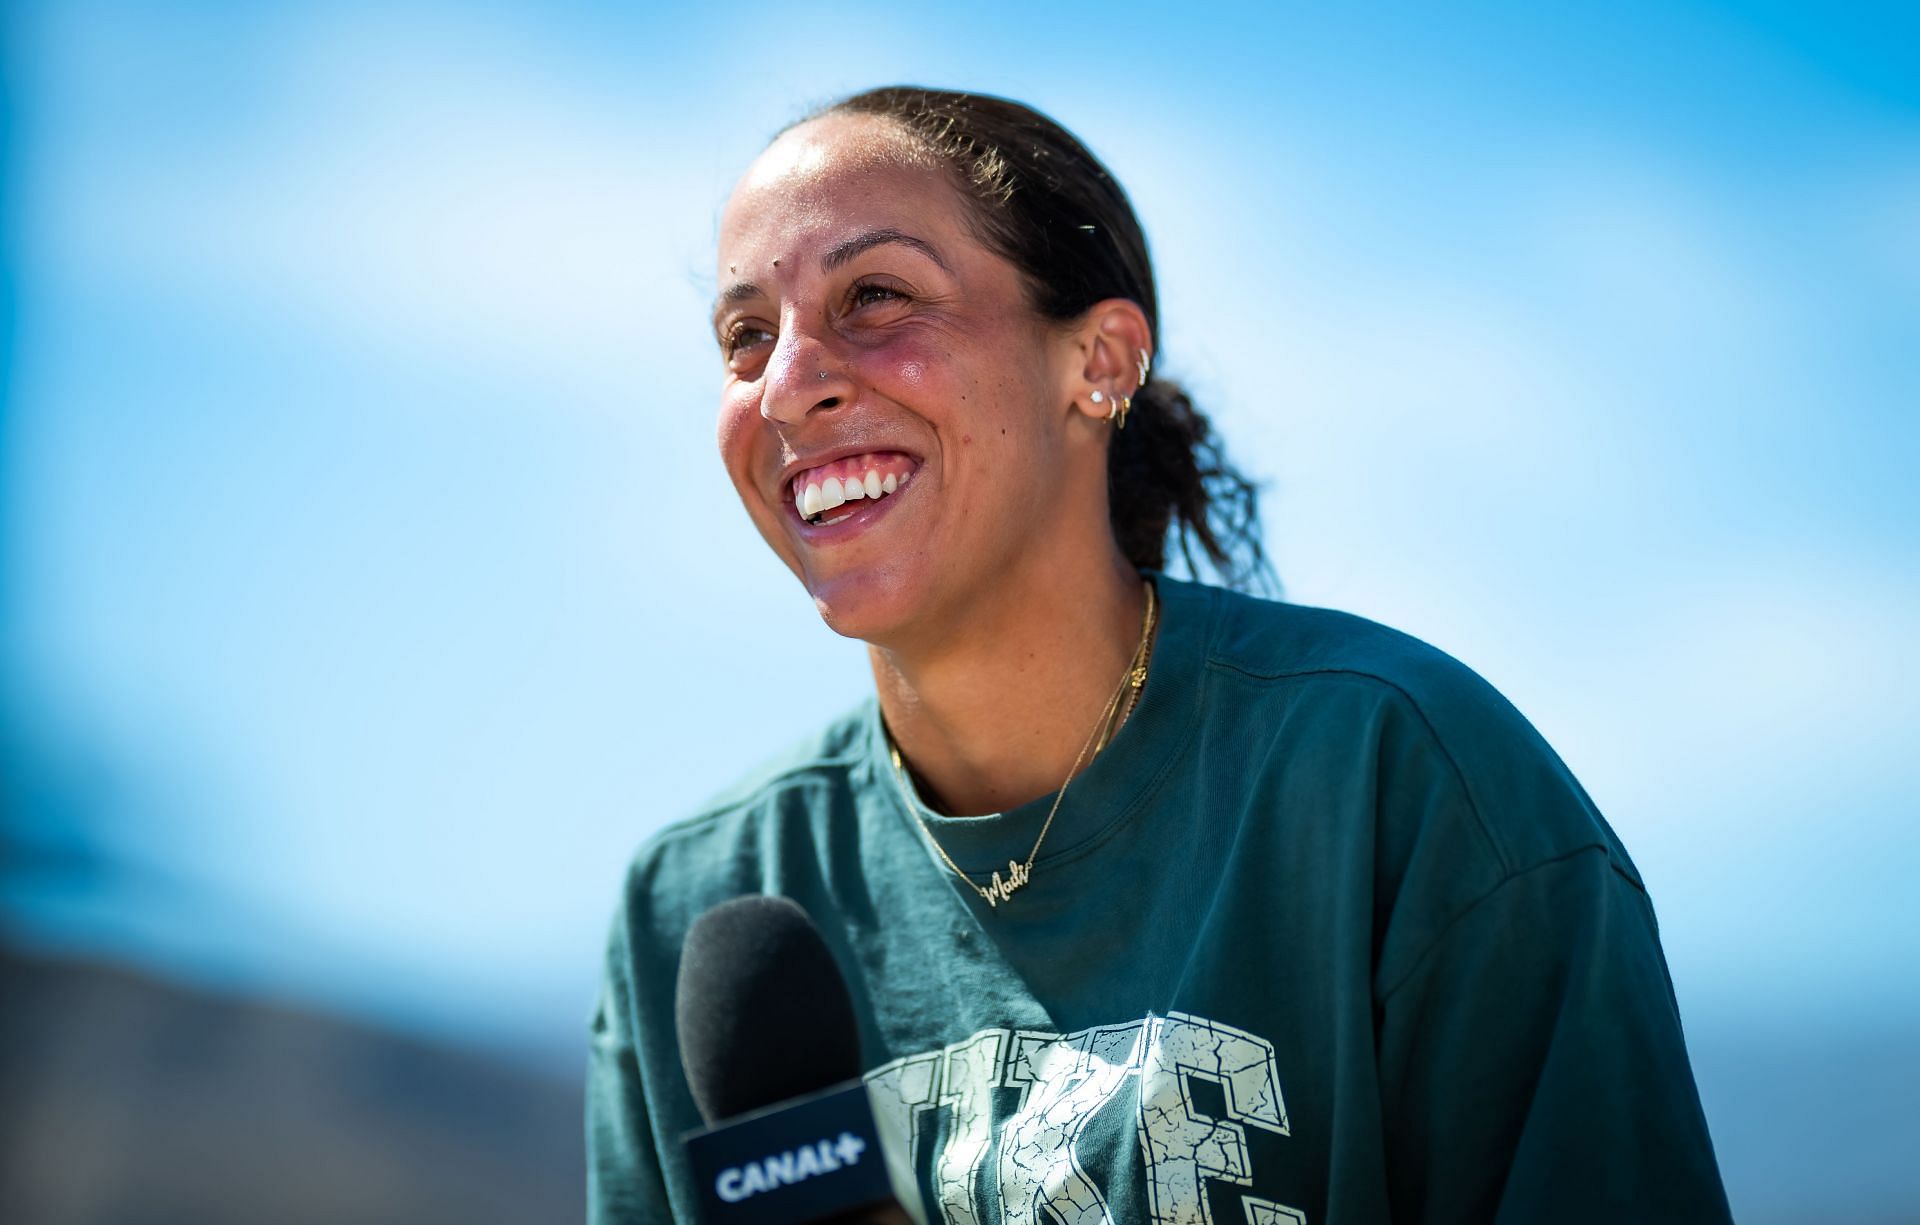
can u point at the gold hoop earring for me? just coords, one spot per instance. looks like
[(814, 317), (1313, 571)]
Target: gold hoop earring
[(1117, 406)]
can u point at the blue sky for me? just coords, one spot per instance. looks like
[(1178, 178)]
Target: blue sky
[(372, 586)]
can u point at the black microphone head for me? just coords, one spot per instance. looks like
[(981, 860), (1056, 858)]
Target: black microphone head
[(762, 1009)]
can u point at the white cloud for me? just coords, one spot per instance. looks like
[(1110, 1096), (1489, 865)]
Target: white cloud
[(414, 190)]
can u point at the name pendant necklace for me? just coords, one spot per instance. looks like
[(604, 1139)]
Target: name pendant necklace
[(1118, 707)]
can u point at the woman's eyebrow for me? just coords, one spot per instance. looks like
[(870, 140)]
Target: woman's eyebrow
[(740, 291), (874, 238)]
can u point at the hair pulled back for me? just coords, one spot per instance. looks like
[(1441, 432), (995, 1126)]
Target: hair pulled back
[(1046, 204)]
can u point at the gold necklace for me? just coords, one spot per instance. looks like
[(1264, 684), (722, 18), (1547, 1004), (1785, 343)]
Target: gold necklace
[(999, 890)]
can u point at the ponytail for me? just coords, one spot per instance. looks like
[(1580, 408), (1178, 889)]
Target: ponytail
[(1168, 480)]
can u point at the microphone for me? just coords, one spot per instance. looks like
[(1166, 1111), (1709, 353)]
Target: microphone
[(771, 1050)]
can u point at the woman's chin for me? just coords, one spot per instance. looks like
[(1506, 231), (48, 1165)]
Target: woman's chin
[(854, 613), (873, 607)]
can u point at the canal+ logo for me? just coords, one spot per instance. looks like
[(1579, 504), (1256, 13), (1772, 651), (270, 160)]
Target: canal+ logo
[(739, 1182)]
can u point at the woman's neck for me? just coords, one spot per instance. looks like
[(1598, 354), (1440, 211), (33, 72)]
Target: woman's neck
[(993, 716)]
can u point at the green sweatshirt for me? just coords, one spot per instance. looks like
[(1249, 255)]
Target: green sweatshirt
[(1327, 934)]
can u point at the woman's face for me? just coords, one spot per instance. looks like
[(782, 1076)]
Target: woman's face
[(895, 416)]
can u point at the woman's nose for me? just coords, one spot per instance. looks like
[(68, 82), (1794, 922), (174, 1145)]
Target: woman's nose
[(802, 375)]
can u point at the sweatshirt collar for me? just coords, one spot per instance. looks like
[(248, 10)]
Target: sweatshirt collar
[(1108, 792)]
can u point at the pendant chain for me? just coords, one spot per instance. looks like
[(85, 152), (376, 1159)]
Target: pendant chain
[(1118, 707)]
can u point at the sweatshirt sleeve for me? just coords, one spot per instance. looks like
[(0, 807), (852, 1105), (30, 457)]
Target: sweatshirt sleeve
[(624, 1181), (1533, 1067)]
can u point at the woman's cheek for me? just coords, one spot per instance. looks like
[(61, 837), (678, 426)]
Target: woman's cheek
[(734, 426)]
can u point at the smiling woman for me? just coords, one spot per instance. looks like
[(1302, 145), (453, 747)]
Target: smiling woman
[(1153, 896)]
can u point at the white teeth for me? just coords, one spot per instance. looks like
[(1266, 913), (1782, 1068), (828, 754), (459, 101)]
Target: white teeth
[(814, 498)]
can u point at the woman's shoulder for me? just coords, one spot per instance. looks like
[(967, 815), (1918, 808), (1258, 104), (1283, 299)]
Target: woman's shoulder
[(1431, 715), (1282, 648), (824, 756), (1278, 640), (723, 843)]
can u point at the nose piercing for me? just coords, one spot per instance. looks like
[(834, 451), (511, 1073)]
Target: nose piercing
[(823, 374)]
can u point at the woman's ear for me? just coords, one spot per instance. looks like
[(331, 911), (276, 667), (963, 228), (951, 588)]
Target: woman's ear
[(1116, 347)]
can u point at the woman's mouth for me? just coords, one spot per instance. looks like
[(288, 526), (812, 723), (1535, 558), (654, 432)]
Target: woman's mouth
[(833, 493)]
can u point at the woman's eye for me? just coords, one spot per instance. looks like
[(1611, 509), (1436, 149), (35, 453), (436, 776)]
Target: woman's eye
[(868, 294), (740, 336)]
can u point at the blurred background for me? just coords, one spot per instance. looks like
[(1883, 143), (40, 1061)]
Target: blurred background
[(371, 587)]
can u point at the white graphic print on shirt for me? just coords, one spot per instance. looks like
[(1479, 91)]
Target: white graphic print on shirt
[(1064, 1081)]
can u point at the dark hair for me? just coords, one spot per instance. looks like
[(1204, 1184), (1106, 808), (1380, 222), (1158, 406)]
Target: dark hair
[(1051, 208)]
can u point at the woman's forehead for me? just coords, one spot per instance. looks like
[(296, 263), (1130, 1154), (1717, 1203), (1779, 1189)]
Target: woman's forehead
[(831, 176)]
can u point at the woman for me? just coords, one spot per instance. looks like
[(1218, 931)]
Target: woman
[(1157, 901)]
